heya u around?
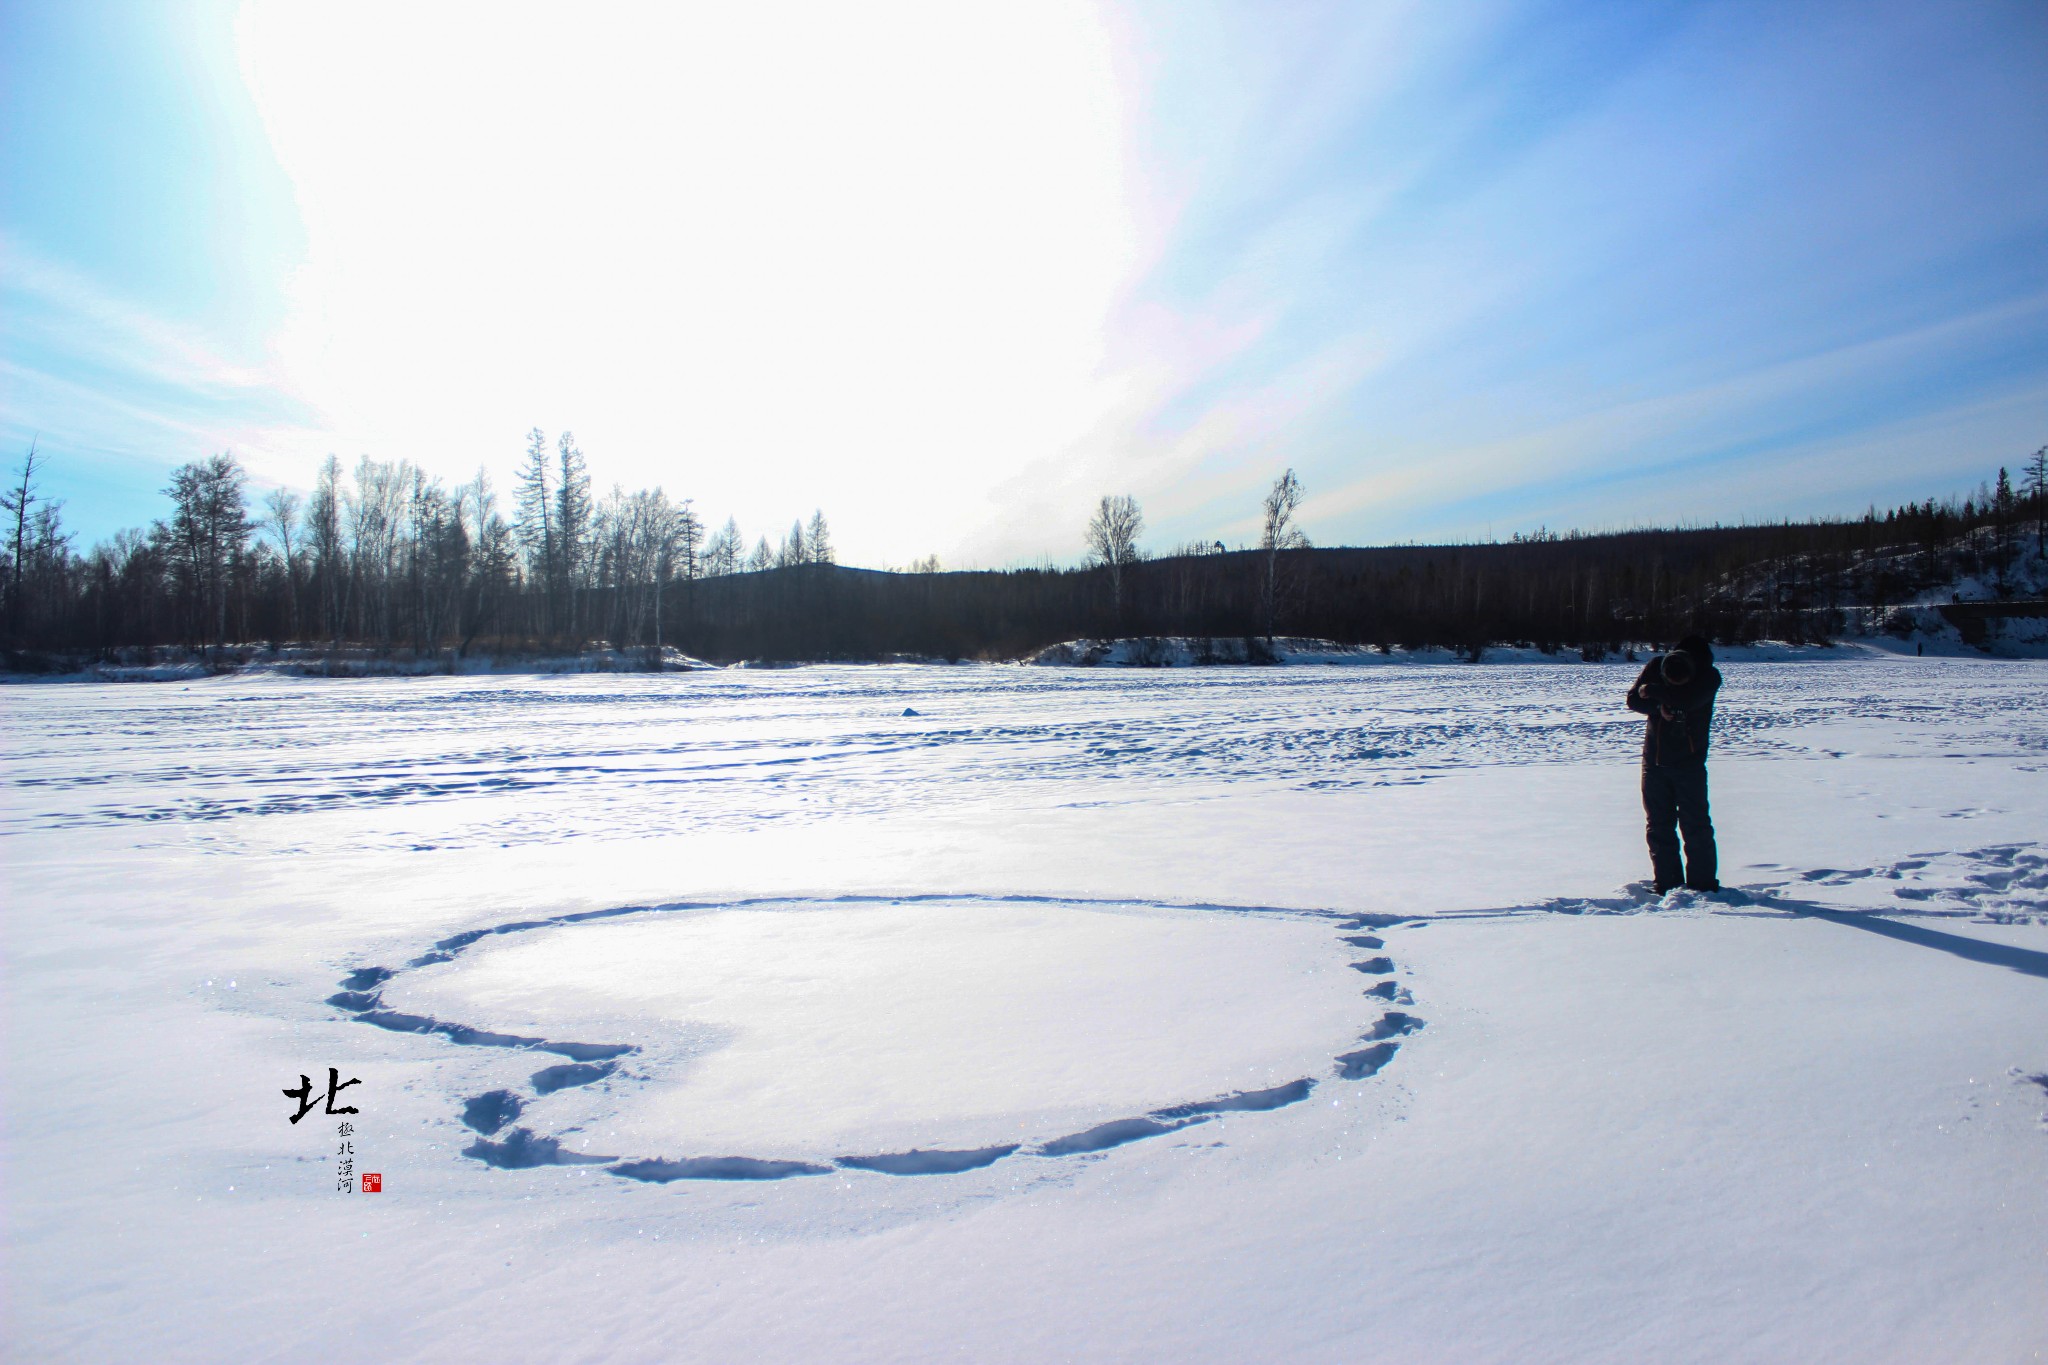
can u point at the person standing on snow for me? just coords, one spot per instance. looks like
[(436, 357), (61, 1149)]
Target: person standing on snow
[(1676, 691)]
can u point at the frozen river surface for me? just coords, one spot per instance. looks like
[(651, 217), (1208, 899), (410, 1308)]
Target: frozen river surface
[(1024, 1014)]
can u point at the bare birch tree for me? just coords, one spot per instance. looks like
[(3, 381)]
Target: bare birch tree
[(330, 554), (1277, 534), (573, 508), (281, 519), (535, 520), (1113, 541), (209, 530)]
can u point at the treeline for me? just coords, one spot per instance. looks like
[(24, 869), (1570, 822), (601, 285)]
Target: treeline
[(385, 557), (1596, 594)]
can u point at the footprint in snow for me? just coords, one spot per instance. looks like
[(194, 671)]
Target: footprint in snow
[(521, 1148)]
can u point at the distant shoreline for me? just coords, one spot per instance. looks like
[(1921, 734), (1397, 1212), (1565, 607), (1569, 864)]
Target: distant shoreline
[(1134, 652)]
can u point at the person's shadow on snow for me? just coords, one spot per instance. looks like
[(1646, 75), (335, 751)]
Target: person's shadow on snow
[(1640, 899), (2025, 960)]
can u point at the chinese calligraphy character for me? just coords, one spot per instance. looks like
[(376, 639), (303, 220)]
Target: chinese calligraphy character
[(345, 1168), (335, 1085)]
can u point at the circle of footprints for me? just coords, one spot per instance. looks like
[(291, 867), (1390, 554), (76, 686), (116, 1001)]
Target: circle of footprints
[(497, 1112)]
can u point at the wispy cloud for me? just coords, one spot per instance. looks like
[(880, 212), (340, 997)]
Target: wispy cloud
[(56, 310), (117, 394), (1540, 261)]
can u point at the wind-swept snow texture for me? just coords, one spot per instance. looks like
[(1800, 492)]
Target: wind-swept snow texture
[(983, 1013)]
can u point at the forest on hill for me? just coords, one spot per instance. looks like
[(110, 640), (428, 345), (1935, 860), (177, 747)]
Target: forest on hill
[(392, 561)]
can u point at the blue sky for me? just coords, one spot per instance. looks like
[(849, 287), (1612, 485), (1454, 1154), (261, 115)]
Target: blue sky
[(952, 273)]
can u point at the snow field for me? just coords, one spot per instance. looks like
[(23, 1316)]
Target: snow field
[(1801, 1122), (799, 1031)]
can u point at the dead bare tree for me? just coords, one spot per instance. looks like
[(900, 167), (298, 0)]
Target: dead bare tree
[(1278, 533), (1113, 542), (16, 502), (676, 554)]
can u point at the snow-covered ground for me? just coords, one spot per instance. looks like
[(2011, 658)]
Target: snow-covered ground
[(983, 1013)]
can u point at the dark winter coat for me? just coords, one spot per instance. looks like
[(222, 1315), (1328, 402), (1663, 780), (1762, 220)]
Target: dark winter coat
[(1681, 741)]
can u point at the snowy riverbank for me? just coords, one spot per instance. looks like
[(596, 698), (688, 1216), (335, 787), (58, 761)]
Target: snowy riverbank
[(305, 661), (298, 661), (1174, 651)]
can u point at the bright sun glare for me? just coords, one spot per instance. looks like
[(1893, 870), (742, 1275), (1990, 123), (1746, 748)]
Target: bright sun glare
[(753, 252)]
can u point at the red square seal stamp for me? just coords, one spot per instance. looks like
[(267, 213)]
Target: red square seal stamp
[(373, 1183)]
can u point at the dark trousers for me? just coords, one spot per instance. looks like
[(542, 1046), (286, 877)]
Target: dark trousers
[(1677, 796)]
